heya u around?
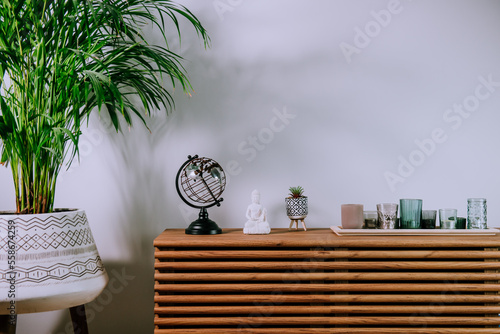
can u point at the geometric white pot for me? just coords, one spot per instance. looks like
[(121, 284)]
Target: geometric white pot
[(48, 262), (296, 208)]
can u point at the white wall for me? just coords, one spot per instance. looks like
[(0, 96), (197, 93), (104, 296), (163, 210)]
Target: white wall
[(353, 107)]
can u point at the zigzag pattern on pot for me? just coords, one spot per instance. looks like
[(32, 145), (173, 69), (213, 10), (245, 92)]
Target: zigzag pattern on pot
[(54, 240), (50, 221), (58, 271)]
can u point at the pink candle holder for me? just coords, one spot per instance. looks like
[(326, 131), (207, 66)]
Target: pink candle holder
[(352, 216)]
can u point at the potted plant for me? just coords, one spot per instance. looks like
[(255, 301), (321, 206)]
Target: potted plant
[(296, 205), (61, 60)]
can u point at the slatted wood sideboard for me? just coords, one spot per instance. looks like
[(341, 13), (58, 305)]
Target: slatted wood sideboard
[(317, 282)]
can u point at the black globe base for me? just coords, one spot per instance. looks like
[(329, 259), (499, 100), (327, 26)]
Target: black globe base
[(203, 225)]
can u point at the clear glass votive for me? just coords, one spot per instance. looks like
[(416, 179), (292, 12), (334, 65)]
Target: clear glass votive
[(370, 218), (448, 218), (476, 213), (387, 215)]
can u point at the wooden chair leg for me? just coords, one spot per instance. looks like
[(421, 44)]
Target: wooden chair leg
[(8, 324), (79, 319)]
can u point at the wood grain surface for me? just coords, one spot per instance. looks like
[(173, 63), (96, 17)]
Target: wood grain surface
[(317, 282)]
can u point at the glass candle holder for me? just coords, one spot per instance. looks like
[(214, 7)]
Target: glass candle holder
[(448, 218), (461, 222), (476, 213), (352, 216), (370, 218), (411, 213), (429, 219), (387, 215)]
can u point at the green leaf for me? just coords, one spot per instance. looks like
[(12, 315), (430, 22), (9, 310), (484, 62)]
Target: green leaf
[(62, 59)]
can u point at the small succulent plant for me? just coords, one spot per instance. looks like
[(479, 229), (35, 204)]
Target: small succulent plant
[(296, 192)]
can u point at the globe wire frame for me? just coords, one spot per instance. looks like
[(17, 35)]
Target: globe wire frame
[(203, 225)]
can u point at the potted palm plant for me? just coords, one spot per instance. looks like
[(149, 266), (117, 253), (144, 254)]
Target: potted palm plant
[(60, 61)]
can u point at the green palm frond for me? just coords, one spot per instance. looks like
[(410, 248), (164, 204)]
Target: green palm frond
[(62, 59)]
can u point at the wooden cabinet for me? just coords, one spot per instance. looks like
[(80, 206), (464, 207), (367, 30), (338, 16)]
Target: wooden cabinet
[(317, 282)]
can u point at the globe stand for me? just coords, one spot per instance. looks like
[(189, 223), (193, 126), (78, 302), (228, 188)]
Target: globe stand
[(203, 225)]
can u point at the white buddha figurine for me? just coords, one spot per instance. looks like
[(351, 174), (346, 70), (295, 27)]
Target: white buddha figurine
[(257, 217)]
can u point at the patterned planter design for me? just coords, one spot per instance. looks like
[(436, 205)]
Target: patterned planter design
[(296, 208), (48, 262)]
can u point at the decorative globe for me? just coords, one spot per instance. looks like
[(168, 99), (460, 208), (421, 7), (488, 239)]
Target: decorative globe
[(200, 183)]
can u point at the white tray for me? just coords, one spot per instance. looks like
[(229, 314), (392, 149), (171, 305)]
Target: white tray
[(341, 231)]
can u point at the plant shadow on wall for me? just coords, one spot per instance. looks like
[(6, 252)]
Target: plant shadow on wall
[(138, 203), (244, 106)]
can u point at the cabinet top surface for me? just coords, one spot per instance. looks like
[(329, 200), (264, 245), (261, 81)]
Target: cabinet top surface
[(318, 237)]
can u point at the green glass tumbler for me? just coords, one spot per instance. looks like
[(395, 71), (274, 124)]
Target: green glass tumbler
[(461, 222), (428, 219), (410, 213)]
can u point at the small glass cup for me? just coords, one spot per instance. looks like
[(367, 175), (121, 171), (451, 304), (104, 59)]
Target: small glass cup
[(411, 213), (476, 213), (352, 216), (429, 219), (387, 215), (448, 218), (370, 218), (461, 222)]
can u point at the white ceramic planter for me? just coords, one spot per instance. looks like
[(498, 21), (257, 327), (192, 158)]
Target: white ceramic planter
[(48, 262)]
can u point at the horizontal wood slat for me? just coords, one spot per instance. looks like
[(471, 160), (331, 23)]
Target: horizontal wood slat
[(379, 330), (299, 309), (290, 254), (316, 238), (317, 282), (396, 265), (277, 299), (290, 321), (427, 276), (315, 287)]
